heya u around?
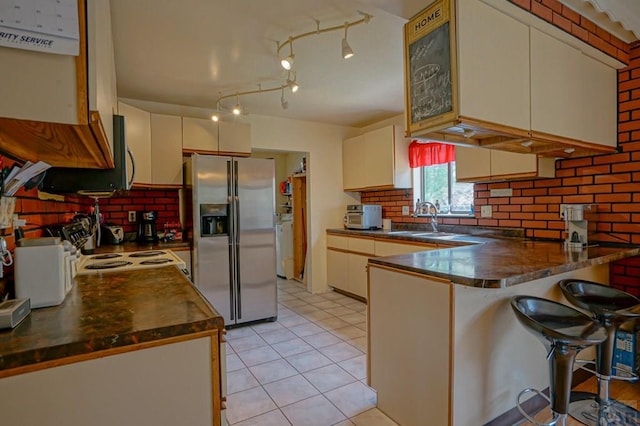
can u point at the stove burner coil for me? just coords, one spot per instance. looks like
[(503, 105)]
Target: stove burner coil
[(106, 256), (108, 265), (159, 261), (148, 253)]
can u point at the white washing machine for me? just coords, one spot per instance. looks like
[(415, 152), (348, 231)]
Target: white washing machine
[(284, 249)]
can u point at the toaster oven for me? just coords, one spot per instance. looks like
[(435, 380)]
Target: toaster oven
[(363, 216)]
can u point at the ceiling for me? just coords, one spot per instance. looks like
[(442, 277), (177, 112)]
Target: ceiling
[(190, 52)]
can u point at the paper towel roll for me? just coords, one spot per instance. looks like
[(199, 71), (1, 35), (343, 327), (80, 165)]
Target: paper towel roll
[(386, 223)]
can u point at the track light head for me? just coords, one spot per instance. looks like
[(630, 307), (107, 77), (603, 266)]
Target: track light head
[(283, 101), (215, 117), (287, 63), (292, 83), (347, 52), (237, 110)]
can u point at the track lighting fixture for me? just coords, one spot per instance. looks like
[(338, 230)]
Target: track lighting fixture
[(237, 110), (347, 52), (292, 83), (215, 117), (287, 63), (283, 101)]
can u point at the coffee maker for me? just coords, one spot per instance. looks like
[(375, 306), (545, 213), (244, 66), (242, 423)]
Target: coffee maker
[(147, 229), (579, 222)]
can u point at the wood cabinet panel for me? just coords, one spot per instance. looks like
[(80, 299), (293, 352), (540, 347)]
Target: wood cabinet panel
[(353, 173), (599, 103), (338, 269), (358, 274), (479, 164), (378, 153), (472, 163), (384, 248)]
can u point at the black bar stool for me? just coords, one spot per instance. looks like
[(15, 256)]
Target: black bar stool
[(610, 307), (563, 331)]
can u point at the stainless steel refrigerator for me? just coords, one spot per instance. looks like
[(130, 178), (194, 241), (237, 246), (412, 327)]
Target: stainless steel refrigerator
[(234, 235)]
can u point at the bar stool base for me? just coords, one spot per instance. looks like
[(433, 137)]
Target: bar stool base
[(590, 412)]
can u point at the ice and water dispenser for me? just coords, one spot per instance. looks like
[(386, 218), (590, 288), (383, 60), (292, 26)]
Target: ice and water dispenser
[(214, 220)]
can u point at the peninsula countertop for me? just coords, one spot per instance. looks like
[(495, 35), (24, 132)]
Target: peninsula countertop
[(490, 262), (107, 311)]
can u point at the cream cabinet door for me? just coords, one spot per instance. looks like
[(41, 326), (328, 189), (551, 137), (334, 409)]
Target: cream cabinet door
[(358, 274), (494, 85), (556, 87), (599, 103), (234, 138), (338, 269), (353, 176), (137, 129), (166, 149), (511, 163), (199, 135), (472, 163), (379, 161)]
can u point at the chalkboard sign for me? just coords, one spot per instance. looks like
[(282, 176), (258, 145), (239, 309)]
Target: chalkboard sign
[(430, 67)]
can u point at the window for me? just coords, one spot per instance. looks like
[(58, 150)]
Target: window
[(438, 183)]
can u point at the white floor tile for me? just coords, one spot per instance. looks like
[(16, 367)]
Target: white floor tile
[(293, 320), (245, 343), (356, 318), (328, 377), (246, 404), (293, 303), (340, 310), (265, 327), (317, 315), (359, 342), (272, 418), (290, 390), (306, 329), (234, 363), (258, 356), (357, 367), (305, 309), (344, 423), (239, 332), (352, 399), (278, 336), (326, 304), (340, 352), (273, 371), (314, 411), (284, 312), (332, 323), (308, 361), (240, 380), (322, 339), (292, 347), (348, 333)]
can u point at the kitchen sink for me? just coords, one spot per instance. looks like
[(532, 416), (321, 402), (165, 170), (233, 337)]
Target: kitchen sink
[(440, 235), (398, 232)]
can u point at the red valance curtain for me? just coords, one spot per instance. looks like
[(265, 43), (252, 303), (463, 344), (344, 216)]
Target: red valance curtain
[(430, 153)]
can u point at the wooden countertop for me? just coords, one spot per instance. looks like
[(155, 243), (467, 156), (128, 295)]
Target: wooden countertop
[(490, 262), (108, 311)]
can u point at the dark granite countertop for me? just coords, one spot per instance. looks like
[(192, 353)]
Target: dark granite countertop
[(490, 262), (107, 311)]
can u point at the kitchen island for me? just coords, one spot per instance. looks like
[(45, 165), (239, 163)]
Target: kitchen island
[(131, 347), (444, 345)]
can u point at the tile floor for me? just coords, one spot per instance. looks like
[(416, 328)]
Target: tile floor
[(307, 368)]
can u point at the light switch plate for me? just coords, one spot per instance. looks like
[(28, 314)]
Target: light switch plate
[(405, 210), (132, 216), (485, 211)]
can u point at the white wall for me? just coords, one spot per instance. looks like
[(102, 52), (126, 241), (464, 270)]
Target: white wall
[(326, 200)]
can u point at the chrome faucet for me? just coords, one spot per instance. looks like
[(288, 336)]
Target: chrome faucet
[(430, 208)]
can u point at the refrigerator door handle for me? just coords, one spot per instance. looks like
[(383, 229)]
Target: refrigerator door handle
[(232, 293), (236, 231)]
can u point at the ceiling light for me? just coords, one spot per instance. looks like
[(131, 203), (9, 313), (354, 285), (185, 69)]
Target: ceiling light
[(569, 150), (283, 101), (347, 52), (292, 83), (527, 144), (215, 117), (287, 63), (237, 110)]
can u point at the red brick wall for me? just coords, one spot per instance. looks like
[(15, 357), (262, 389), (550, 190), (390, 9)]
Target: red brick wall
[(164, 201), (625, 275)]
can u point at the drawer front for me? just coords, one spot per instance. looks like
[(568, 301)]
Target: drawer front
[(361, 245), (383, 248), (337, 242)]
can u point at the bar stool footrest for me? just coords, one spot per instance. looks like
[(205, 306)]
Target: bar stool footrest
[(527, 416)]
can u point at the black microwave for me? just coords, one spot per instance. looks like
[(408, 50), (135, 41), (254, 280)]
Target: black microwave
[(67, 180)]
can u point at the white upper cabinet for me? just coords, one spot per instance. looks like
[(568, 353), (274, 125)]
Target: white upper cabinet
[(599, 102), (493, 65), (234, 138), (166, 150), (199, 135), (483, 165), (137, 129), (376, 160)]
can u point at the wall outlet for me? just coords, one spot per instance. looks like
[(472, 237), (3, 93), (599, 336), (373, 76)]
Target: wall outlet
[(132, 216), (405, 210), (485, 211)]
